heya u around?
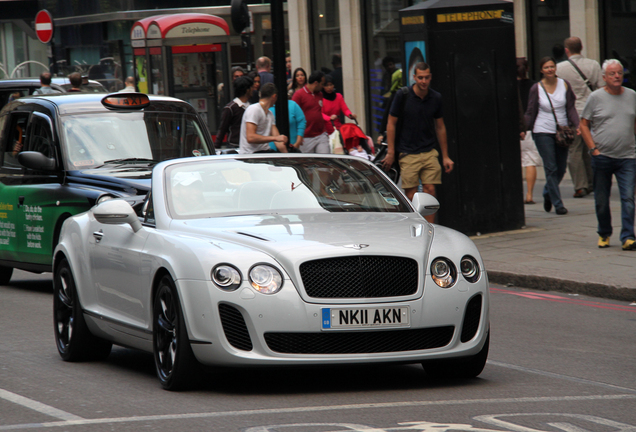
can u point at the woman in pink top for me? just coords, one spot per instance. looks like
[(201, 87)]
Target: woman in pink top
[(332, 105)]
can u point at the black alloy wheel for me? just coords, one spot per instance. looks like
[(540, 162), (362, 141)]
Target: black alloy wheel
[(73, 338), (174, 359)]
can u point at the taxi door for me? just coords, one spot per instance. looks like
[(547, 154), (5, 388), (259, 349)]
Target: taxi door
[(11, 135), (37, 196)]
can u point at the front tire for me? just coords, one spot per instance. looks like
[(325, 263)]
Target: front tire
[(73, 338), (174, 360), (5, 275), (465, 368)]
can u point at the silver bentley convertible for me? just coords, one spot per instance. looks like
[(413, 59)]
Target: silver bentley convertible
[(270, 260)]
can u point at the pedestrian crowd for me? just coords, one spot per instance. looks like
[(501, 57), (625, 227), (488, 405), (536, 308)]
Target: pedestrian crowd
[(580, 116), (315, 105)]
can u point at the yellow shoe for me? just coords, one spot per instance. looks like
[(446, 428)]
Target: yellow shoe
[(629, 244), (603, 242)]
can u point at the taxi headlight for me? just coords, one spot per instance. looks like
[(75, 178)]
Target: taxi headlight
[(470, 269), (265, 279), (443, 272), (226, 277)]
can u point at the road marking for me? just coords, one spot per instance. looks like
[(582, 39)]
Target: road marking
[(37, 406), (259, 412), (563, 377), (560, 299)]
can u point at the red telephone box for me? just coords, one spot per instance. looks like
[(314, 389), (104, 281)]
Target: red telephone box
[(185, 56)]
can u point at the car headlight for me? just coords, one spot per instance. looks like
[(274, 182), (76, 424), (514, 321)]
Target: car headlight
[(443, 272), (226, 277), (265, 279), (470, 269)]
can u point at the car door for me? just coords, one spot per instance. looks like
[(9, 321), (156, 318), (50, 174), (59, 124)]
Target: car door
[(119, 275), (37, 194), (11, 173)]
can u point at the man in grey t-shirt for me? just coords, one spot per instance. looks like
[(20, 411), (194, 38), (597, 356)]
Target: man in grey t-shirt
[(608, 124)]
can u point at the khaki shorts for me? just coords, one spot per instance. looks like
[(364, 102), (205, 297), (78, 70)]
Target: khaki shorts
[(421, 166)]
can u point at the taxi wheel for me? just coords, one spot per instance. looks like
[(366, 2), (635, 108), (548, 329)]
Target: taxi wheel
[(5, 275), (174, 360), (73, 339), (465, 368)]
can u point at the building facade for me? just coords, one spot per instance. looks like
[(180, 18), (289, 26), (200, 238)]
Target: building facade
[(93, 37)]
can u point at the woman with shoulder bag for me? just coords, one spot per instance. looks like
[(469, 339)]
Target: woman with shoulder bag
[(550, 116)]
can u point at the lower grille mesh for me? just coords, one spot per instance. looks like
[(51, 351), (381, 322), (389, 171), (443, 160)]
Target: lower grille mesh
[(235, 328), (360, 342), (471, 319)]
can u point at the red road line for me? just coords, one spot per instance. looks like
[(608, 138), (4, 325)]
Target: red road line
[(559, 299)]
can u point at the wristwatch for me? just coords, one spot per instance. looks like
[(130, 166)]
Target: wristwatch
[(592, 150)]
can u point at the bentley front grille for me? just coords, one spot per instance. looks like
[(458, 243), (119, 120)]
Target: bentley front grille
[(360, 277), (360, 342)]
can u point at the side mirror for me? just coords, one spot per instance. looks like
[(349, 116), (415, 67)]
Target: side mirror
[(37, 161), (116, 212), (425, 204)]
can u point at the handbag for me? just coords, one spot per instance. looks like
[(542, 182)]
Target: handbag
[(564, 134)]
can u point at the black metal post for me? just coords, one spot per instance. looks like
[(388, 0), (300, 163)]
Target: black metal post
[(280, 73)]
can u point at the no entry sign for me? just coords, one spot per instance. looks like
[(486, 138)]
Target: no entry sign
[(44, 26)]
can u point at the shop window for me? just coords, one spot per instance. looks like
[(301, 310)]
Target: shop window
[(618, 35), (382, 42), (324, 19), (549, 26)]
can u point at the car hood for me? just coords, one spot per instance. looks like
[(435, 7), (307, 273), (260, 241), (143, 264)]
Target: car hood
[(296, 238), (130, 180)]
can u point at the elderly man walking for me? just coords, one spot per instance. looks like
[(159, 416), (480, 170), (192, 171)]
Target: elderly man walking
[(584, 75), (608, 124)]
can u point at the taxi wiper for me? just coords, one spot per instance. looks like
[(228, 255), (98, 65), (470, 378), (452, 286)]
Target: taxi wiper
[(125, 161)]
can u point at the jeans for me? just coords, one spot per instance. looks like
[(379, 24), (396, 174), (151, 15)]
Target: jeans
[(555, 159), (625, 171)]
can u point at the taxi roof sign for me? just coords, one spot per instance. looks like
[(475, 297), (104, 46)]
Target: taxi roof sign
[(126, 101)]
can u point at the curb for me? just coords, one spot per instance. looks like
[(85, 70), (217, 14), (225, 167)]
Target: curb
[(563, 285)]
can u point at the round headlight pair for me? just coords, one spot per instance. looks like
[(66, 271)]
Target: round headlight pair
[(444, 273), (263, 278)]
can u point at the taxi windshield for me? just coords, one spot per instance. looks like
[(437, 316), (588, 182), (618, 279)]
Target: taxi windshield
[(94, 139), (217, 188)]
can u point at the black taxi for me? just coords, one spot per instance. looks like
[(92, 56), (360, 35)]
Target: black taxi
[(61, 154)]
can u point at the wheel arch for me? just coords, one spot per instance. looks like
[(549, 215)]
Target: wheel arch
[(58, 229)]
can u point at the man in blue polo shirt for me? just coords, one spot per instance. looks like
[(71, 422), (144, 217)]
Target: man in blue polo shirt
[(414, 129)]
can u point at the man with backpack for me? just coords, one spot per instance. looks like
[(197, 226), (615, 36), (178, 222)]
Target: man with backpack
[(414, 129)]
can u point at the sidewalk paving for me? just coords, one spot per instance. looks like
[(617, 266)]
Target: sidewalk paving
[(560, 253)]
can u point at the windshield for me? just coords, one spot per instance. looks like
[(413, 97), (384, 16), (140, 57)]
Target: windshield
[(91, 140), (278, 185)]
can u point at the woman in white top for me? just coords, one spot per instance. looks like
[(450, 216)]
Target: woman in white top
[(540, 120)]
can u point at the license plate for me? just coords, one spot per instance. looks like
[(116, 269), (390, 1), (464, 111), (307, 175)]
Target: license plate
[(382, 317)]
